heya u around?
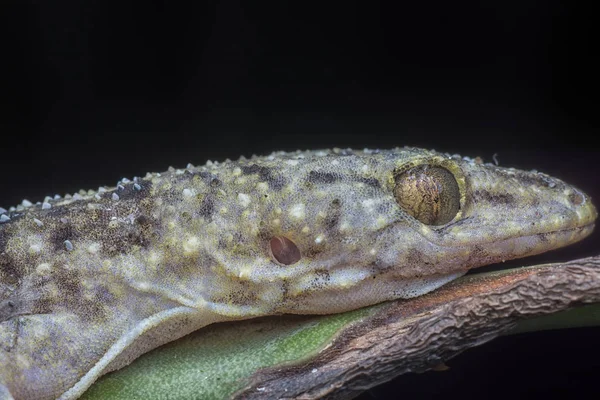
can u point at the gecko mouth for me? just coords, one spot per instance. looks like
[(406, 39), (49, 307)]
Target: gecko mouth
[(529, 245), (577, 222), (512, 249), (569, 231), (558, 238)]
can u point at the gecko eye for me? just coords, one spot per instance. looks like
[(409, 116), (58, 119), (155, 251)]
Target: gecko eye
[(428, 193), (284, 250)]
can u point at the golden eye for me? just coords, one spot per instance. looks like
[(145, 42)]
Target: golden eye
[(428, 193), (284, 250)]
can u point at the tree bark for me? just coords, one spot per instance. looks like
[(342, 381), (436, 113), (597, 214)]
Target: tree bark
[(419, 334)]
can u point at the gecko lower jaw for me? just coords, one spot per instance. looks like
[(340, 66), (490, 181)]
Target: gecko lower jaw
[(528, 245), (574, 228), (582, 230)]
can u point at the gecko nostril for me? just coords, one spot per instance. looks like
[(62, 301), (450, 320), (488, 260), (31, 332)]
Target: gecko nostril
[(576, 198), (284, 250)]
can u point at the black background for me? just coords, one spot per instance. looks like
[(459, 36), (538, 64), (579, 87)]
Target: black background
[(95, 91)]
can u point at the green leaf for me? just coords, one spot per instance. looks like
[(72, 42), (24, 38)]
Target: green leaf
[(218, 360), (578, 317)]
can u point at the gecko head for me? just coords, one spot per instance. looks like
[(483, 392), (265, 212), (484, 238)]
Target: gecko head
[(508, 213), (464, 214), (472, 214), (353, 229)]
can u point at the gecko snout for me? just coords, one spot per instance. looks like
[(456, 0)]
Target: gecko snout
[(583, 207)]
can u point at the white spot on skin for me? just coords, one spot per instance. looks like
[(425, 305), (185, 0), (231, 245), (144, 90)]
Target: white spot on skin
[(262, 186), (143, 287), (115, 197), (245, 272), (68, 245), (153, 258), (26, 203), (348, 277), (381, 222), (38, 222), (191, 246), (369, 204), (4, 218), (43, 269), (187, 193), (93, 248), (306, 229), (319, 239), (244, 199), (297, 211), (236, 171), (35, 248)]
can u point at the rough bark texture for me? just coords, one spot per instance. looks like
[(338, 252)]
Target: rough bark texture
[(419, 334)]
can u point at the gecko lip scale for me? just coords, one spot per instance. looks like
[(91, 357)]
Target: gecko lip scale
[(539, 243)]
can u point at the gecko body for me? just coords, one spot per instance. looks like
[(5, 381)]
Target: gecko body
[(89, 282)]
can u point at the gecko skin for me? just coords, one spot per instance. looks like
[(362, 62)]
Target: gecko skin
[(89, 282)]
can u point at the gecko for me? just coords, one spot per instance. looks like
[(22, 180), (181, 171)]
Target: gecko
[(90, 281)]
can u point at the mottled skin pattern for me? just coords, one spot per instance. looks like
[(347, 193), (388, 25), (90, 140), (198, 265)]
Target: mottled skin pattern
[(90, 282)]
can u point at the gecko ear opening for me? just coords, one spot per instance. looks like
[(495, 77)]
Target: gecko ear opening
[(430, 194), (284, 250)]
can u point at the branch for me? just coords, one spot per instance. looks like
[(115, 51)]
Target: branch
[(421, 333)]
